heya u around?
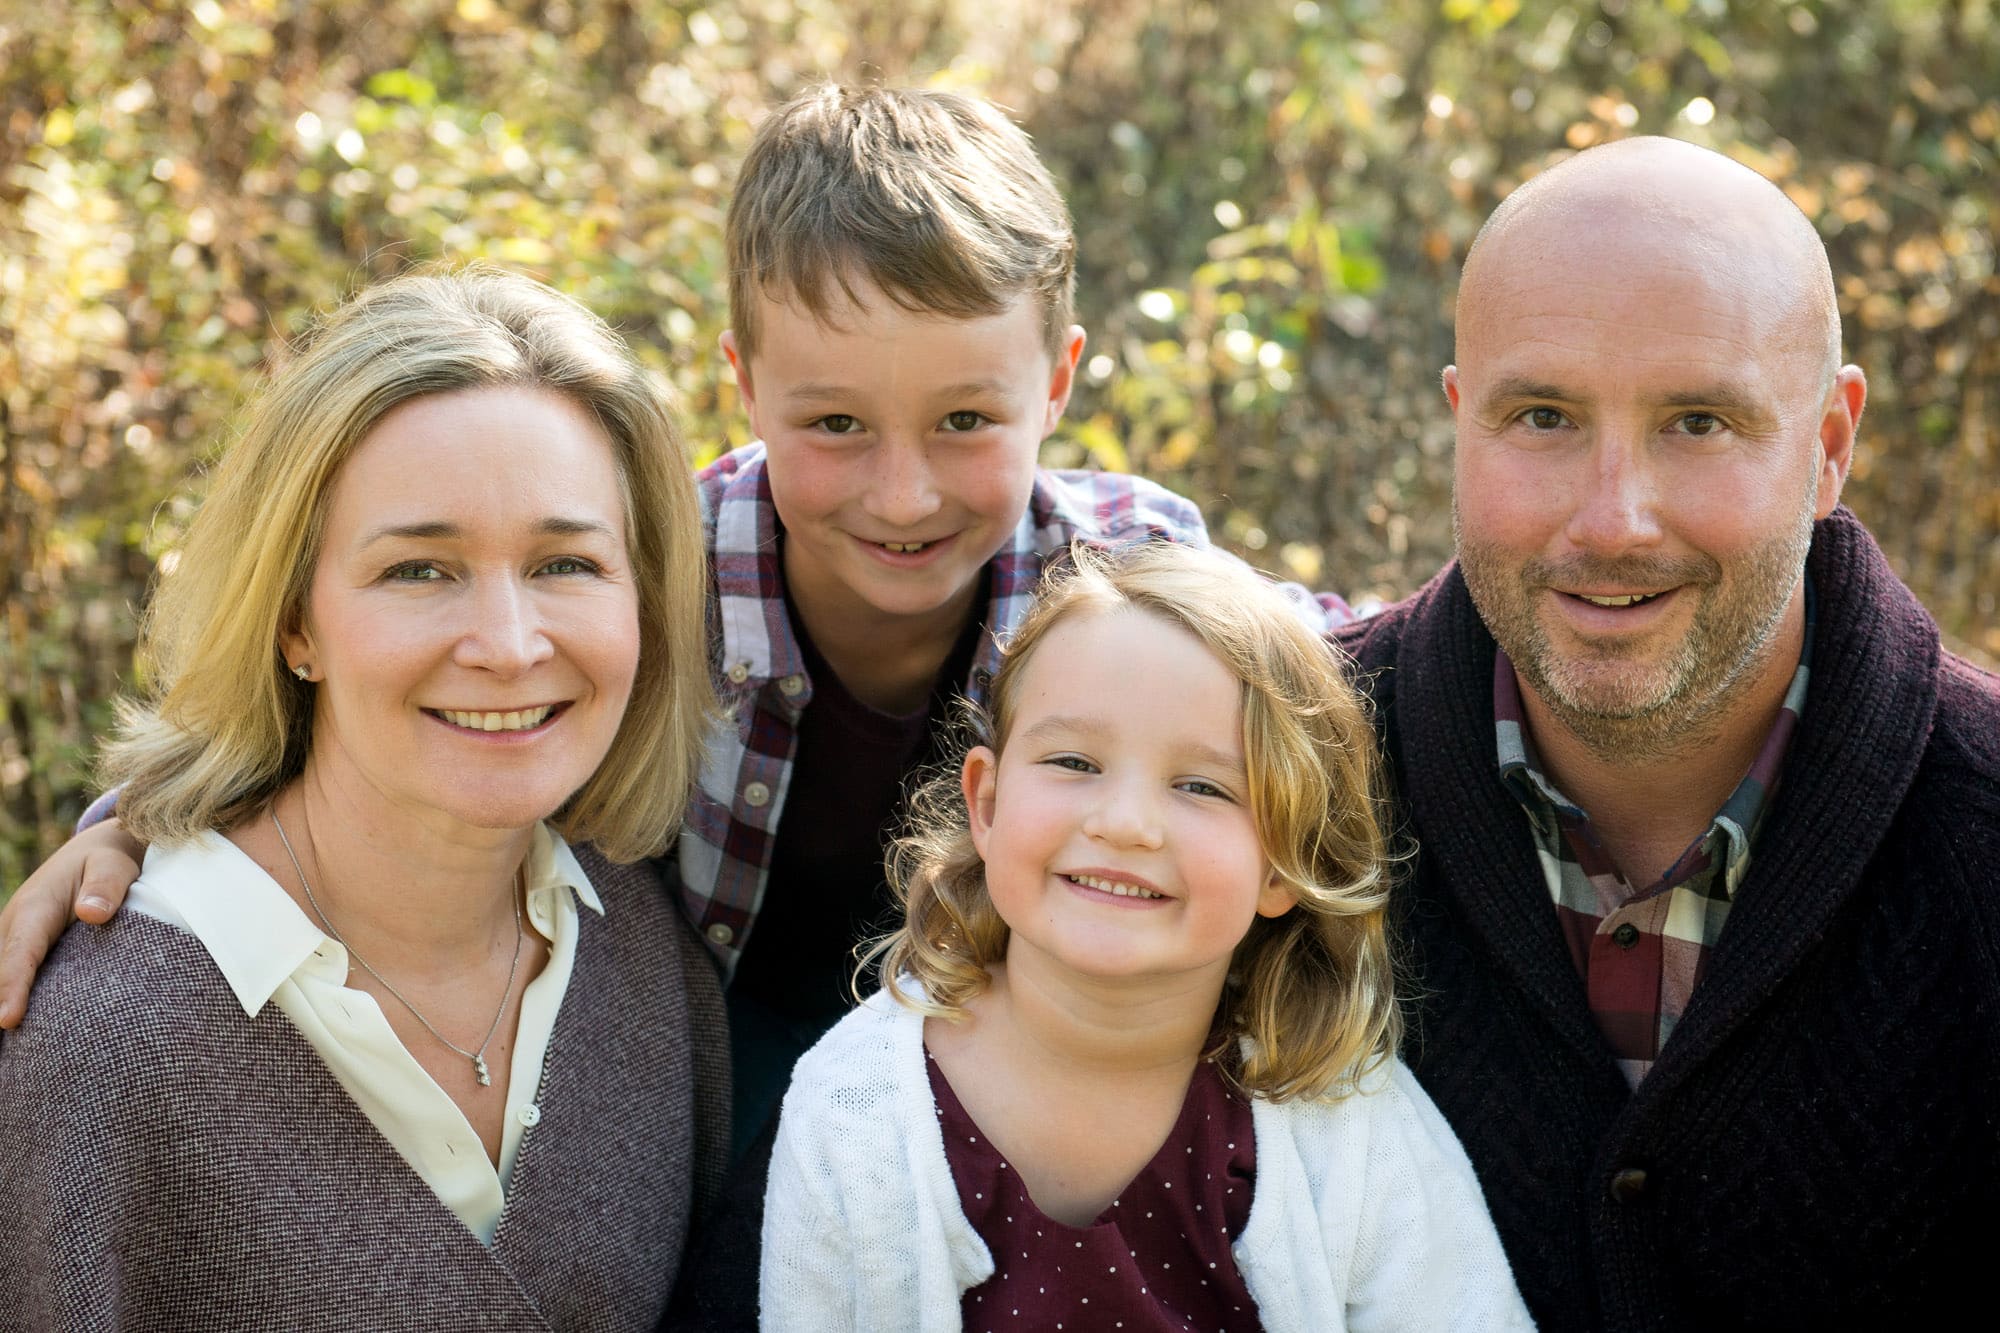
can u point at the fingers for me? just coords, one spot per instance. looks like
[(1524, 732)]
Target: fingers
[(31, 922), (107, 873)]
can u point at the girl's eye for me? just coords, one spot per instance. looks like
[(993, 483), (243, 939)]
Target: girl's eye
[(414, 571), (838, 423), (1198, 787), (571, 564), (964, 421)]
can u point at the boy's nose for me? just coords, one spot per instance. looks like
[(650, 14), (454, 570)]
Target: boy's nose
[(903, 491)]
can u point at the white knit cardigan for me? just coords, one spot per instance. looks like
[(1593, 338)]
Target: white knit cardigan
[(1366, 1214)]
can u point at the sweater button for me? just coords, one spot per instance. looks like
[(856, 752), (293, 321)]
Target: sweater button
[(1628, 1185), (1626, 935), (721, 934)]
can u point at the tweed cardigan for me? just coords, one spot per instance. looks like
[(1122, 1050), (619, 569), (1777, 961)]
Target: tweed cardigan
[(1819, 1143), (168, 1163)]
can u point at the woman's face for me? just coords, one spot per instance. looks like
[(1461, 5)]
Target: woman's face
[(472, 625)]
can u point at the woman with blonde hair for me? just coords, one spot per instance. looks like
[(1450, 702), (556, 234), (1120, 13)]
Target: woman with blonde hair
[(378, 1047)]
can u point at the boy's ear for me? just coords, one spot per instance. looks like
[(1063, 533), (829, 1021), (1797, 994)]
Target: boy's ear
[(740, 365), (1062, 377), (978, 779), (1276, 897)]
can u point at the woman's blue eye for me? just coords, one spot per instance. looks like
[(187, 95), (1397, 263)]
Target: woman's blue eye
[(570, 564), (415, 571)]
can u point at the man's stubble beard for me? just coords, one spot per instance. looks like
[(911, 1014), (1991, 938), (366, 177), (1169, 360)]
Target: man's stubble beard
[(1659, 710)]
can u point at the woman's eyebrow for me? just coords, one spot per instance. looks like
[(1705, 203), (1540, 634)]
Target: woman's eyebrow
[(439, 529)]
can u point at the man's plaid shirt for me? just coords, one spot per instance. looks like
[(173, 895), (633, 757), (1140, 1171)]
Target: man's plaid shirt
[(732, 820), (1640, 953)]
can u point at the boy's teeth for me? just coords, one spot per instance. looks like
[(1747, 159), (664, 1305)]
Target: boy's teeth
[(1115, 887), (904, 548), (517, 721), (1632, 599)]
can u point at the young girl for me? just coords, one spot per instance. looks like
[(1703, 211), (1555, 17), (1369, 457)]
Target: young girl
[(1133, 1066)]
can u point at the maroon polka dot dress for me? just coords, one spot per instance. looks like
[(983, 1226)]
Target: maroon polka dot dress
[(1157, 1259)]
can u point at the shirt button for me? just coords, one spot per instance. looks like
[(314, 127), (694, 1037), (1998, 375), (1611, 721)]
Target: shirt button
[(1628, 1185), (739, 672), (721, 934), (531, 1115), (792, 686), (1626, 936), (756, 794)]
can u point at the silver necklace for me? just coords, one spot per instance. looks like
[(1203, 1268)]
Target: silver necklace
[(477, 1057)]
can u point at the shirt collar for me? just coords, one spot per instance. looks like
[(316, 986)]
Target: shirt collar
[(259, 937), (1734, 825)]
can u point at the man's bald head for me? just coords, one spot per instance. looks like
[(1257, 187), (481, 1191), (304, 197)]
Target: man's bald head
[(1662, 200)]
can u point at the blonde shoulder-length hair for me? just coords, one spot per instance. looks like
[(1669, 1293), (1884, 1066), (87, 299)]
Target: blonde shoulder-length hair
[(1313, 990), (224, 725)]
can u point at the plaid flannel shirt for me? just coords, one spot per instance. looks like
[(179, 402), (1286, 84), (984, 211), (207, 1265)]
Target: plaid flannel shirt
[(732, 820), (1640, 954)]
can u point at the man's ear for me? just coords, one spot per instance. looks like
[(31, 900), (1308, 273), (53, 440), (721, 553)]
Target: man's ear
[(739, 364), (1839, 423), (1062, 377), (978, 778), (1451, 388)]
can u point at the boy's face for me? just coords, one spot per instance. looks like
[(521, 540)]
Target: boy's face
[(902, 446)]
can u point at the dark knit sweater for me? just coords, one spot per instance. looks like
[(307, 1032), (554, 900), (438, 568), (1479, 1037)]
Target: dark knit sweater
[(1820, 1139), (168, 1163)]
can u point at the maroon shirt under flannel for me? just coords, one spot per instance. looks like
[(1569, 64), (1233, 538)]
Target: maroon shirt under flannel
[(1157, 1259), (1641, 951)]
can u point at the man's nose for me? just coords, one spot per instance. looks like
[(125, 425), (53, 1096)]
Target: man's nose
[(1615, 505)]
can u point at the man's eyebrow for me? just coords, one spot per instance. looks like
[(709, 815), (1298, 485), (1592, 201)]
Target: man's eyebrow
[(1520, 386), (1727, 397), (439, 530)]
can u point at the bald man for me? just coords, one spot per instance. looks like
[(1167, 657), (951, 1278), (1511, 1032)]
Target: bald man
[(1705, 916)]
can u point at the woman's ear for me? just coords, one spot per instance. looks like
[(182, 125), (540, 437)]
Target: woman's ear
[(978, 778), (295, 648)]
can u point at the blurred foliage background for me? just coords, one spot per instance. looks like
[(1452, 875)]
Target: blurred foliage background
[(1272, 200)]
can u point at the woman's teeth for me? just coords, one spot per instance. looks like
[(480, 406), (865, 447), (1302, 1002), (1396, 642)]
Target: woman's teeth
[(1114, 887), (518, 721), (1631, 599)]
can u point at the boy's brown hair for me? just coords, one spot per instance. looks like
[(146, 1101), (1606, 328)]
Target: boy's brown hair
[(935, 197)]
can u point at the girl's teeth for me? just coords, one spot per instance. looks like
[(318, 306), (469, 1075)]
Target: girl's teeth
[(1117, 888), (904, 548), (514, 721)]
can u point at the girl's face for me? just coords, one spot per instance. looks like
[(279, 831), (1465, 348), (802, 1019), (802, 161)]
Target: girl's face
[(1116, 826)]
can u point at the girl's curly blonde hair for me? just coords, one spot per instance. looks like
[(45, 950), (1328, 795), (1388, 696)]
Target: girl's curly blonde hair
[(1312, 990)]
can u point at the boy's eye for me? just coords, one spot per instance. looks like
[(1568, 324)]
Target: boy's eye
[(964, 421), (838, 423), (1072, 762)]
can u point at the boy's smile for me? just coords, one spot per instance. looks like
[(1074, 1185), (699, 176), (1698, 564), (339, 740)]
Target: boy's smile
[(902, 447)]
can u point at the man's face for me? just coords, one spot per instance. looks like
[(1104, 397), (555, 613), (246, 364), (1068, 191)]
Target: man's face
[(902, 446), (1644, 441)]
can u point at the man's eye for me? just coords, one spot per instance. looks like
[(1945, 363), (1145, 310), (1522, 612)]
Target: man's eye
[(1700, 423), (1544, 418), (963, 421), (838, 423)]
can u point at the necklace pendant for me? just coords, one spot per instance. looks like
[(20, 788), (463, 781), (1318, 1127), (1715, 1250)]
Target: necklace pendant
[(479, 1068)]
